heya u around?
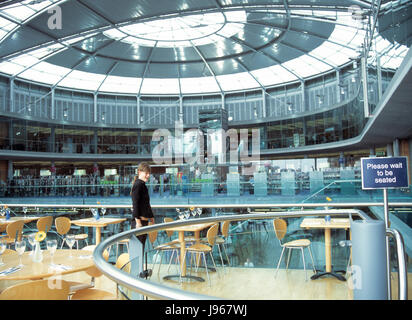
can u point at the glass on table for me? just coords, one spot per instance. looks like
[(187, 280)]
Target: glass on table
[(103, 211), (25, 211), (187, 214), (32, 242), (3, 246), (180, 214), (20, 247), (52, 246), (70, 242)]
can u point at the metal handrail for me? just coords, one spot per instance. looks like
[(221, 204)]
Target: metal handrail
[(159, 291), (222, 206), (402, 264)]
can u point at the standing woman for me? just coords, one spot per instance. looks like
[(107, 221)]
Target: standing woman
[(142, 212)]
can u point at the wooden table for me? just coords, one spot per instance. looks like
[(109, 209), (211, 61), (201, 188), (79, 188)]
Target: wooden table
[(320, 223), (27, 219), (196, 228), (81, 260), (98, 224)]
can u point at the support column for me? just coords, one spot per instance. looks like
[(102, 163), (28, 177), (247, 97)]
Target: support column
[(11, 97), (53, 105), (95, 108), (389, 150), (304, 108), (10, 170), (223, 101), (365, 87), (264, 111), (372, 152), (138, 109), (396, 151), (338, 96)]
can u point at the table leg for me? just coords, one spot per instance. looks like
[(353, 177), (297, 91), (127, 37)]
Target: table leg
[(328, 250), (328, 259), (98, 235), (183, 262), (182, 253)]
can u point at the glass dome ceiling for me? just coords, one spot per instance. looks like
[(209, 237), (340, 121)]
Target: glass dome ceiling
[(183, 47)]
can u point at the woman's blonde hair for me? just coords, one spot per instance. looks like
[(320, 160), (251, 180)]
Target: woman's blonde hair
[(143, 166)]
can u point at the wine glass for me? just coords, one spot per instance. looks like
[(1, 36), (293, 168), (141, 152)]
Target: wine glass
[(187, 214), (20, 246), (2, 249), (103, 211), (51, 246), (181, 214), (2, 211), (32, 242), (25, 211), (70, 242), (94, 212), (199, 211), (194, 211)]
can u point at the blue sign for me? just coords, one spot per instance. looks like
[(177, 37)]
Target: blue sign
[(384, 172)]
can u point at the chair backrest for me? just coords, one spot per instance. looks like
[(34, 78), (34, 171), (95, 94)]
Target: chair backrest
[(122, 262), (165, 220), (152, 235), (36, 290), (44, 223), (225, 228), (212, 233), (94, 271), (15, 229), (280, 227), (63, 225)]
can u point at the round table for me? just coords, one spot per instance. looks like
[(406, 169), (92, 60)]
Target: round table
[(81, 261)]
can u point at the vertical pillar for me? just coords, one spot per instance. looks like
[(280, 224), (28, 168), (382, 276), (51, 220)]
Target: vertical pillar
[(53, 105), (11, 98), (264, 104), (10, 170), (379, 73), (389, 150), (181, 116), (396, 148), (52, 140), (372, 151), (338, 97), (138, 109), (95, 140), (365, 87), (303, 96), (95, 107)]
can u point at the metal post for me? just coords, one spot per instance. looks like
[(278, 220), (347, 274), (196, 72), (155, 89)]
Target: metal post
[(388, 257)]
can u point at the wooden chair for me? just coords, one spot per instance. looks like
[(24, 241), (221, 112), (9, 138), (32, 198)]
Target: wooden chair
[(173, 246), (98, 294), (14, 232), (280, 227), (220, 241), (63, 225), (36, 290), (204, 248), (44, 224)]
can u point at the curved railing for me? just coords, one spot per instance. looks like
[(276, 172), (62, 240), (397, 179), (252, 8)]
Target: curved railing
[(159, 291)]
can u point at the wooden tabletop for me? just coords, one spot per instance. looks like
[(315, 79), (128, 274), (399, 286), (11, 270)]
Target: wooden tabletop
[(81, 260), (320, 223), (102, 222), (3, 220), (191, 228)]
